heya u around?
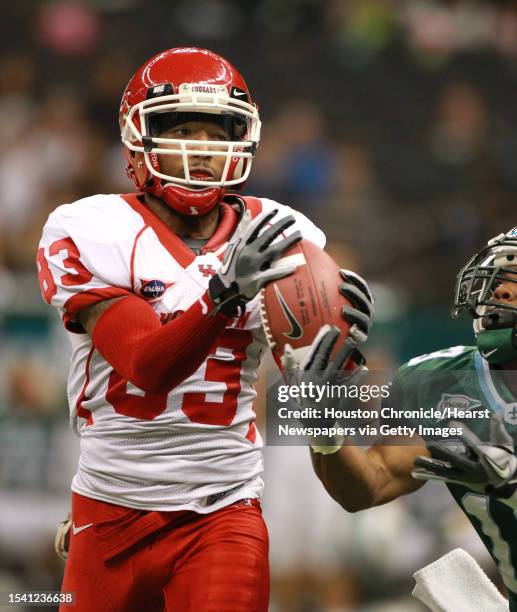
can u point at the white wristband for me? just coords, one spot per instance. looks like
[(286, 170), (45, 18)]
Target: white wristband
[(325, 450), (324, 445)]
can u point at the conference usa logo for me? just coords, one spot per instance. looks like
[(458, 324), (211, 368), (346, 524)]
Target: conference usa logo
[(153, 289)]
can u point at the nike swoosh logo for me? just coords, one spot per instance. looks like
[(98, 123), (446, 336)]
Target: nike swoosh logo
[(76, 530), (228, 256), (504, 472), (296, 331), (488, 353), (239, 93)]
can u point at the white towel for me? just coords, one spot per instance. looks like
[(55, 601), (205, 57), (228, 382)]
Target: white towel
[(456, 583)]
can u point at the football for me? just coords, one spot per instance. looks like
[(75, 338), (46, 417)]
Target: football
[(294, 308)]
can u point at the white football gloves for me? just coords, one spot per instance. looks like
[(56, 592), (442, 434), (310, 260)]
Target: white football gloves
[(246, 266)]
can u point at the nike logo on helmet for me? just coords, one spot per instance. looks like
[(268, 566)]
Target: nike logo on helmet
[(236, 92), (296, 331), (76, 530)]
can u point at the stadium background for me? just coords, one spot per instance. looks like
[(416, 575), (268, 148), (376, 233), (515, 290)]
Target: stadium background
[(391, 124)]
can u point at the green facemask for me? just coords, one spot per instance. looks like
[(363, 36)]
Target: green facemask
[(498, 345)]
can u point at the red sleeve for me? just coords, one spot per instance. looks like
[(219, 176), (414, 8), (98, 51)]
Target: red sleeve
[(152, 356)]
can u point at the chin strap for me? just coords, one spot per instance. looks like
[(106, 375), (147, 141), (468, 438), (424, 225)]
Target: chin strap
[(186, 201), (190, 201)]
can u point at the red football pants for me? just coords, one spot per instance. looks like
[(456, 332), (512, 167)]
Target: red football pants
[(125, 560)]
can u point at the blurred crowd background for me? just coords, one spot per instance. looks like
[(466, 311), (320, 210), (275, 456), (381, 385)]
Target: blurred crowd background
[(391, 123)]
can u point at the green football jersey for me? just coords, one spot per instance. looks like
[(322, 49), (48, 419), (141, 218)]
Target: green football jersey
[(458, 381)]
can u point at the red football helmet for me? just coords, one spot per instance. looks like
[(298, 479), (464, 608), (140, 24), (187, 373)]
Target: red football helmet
[(166, 91)]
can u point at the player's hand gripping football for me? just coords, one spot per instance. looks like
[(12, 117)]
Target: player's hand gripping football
[(316, 367), (246, 266), (490, 468)]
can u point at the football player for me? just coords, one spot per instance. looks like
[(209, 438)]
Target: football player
[(158, 290), (481, 475)]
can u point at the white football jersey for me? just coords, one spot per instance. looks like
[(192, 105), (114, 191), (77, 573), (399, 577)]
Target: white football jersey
[(195, 447)]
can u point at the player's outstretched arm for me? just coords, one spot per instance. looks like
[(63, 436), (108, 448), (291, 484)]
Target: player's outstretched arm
[(156, 357), (359, 479)]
